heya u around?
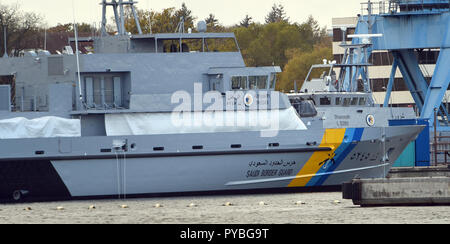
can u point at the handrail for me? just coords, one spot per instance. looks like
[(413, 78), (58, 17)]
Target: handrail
[(396, 6)]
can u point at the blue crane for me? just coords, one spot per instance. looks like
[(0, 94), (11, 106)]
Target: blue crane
[(405, 26)]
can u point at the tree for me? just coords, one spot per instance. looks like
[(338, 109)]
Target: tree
[(282, 14), (246, 38), (318, 33), (266, 45), (211, 20), (277, 14), (165, 21), (61, 28), (298, 66), (246, 22), (23, 29), (66, 28), (213, 24), (185, 14), (85, 28), (151, 21)]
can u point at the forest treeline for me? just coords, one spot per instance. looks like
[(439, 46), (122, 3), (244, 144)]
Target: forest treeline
[(278, 41)]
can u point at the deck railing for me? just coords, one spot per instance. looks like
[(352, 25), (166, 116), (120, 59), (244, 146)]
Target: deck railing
[(440, 146), (396, 6)]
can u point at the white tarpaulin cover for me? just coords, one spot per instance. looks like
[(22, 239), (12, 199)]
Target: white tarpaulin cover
[(45, 127), (202, 122)]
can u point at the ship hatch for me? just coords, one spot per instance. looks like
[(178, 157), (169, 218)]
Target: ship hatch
[(11, 81)]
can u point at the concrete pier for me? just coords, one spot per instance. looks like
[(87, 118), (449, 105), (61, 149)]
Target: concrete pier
[(413, 172), (405, 187)]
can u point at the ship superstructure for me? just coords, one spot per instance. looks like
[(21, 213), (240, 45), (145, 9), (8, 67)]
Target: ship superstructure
[(168, 113)]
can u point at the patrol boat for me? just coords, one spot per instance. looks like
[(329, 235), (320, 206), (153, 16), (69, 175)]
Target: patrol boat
[(343, 101), (166, 113)]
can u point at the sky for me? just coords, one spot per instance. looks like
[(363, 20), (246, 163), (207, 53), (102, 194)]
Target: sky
[(228, 12)]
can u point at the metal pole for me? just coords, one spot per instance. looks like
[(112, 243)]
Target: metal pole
[(435, 137), (391, 83), (350, 76), (116, 17), (136, 18), (34, 103), (445, 156), (5, 42), (366, 70), (104, 33), (150, 23), (344, 35), (122, 18), (45, 39), (21, 100), (78, 62)]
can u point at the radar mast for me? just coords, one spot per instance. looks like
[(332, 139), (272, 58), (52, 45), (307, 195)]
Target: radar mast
[(119, 15)]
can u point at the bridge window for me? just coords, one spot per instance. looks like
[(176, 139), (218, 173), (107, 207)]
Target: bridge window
[(346, 102), (273, 79), (258, 82), (362, 101), (325, 101), (220, 45), (194, 44), (305, 108), (239, 83)]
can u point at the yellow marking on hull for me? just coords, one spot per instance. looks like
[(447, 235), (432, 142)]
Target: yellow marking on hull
[(332, 138)]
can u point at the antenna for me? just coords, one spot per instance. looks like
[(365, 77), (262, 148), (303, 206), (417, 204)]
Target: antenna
[(77, 52), (149, 16), (5, 42), (45, 38), (150, 23), (180, 27)]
